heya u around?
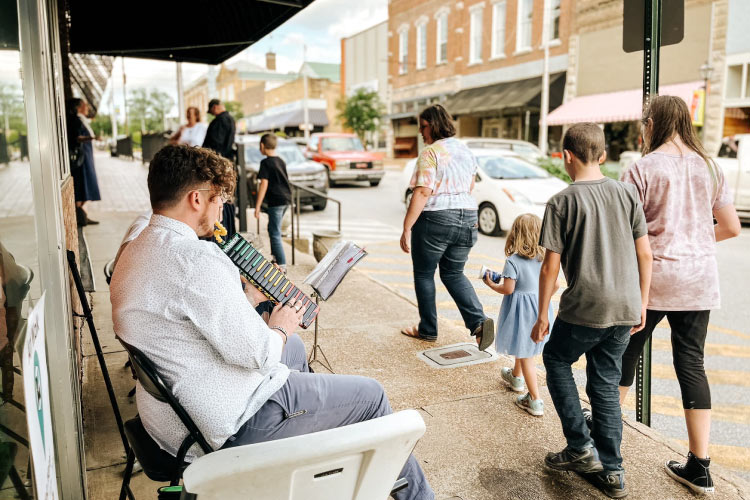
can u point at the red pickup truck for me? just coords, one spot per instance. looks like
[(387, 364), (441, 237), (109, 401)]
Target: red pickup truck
[(345, 158)]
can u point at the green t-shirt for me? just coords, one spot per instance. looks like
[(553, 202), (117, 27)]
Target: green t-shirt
[(593, 225)]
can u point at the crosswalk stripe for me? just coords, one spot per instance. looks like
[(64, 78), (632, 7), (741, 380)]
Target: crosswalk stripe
[(735, 457), (724, 377)]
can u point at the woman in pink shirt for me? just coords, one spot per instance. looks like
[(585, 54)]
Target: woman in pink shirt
[(682, 191)]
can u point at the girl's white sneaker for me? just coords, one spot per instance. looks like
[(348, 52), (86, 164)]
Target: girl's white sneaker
[(533, 406), (515, 383)]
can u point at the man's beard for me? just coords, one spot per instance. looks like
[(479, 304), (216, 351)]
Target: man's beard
[(205, 227)]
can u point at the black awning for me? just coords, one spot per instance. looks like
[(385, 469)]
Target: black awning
[(516, 94), (196, 31)]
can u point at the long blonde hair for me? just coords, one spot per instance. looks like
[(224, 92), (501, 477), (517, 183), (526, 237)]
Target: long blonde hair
[(523, 237)]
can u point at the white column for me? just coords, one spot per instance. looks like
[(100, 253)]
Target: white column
[(112, 113), (305, 110), (545, 81), (180, 95)]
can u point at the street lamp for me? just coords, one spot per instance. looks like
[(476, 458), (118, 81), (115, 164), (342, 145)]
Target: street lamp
[(706, 72)]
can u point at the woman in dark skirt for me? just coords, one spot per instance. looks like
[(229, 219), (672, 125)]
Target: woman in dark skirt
[(80, 138)]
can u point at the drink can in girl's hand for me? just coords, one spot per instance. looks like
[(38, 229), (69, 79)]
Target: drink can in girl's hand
[(495, 277)]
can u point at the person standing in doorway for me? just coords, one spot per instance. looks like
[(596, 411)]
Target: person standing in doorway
[(440, 227), (276, 192), (220, 138), (683, 192), (80, 139)]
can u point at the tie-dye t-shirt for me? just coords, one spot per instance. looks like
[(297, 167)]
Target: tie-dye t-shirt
[(679, 195), (447, 167)]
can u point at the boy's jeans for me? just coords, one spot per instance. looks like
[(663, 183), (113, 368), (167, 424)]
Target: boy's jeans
[(444, 238), (603, 348), (275, 216)]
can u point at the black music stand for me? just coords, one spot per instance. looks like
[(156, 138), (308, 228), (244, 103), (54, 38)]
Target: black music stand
[(316, 347), (88, 315)]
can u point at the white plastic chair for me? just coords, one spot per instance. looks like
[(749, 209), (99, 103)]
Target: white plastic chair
[(356, 462)]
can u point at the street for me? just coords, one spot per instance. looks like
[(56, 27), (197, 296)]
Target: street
[(373, 217)]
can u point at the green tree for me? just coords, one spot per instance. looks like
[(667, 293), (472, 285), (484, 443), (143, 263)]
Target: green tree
[(235, 109), (161, 103), (138, 108), (361, 112), (11, 108), (102, 125)]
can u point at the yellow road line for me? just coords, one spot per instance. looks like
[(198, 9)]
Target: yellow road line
[(727, 377), (732, 351), (719, 329), (735, 457), (668, 405)]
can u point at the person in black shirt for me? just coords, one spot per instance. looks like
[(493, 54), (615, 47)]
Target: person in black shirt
[(276, 192), (220, 138)]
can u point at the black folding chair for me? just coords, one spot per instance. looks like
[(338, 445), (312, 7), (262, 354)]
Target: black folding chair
[(158, 465)]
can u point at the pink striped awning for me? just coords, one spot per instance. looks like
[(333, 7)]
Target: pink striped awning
[(622, 106)]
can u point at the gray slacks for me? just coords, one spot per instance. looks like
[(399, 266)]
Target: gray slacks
[(312, 402)]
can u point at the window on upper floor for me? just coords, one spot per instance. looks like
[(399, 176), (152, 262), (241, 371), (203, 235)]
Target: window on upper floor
[(475, 42), (422, 45), (523, 32), (498, 29), (553, 29), (403, 51), (442, 38)]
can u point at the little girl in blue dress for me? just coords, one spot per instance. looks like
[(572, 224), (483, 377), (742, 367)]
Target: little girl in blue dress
[(518, 313)]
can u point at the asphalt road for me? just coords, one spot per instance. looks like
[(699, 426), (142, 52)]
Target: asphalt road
[(373, 216)]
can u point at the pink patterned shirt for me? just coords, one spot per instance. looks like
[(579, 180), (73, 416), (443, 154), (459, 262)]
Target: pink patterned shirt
[(679, 195), (447, 167)]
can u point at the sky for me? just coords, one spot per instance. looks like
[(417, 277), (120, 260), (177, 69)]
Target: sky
[(320, 26)]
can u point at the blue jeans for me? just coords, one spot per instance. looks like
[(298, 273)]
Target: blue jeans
[(275, 216), (312, 402), (444, 238), (603, 348)]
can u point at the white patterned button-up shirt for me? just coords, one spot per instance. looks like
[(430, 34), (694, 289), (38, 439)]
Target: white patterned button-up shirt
[(180, 301)]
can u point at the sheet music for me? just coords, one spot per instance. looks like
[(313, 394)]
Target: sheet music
[(331, 270)]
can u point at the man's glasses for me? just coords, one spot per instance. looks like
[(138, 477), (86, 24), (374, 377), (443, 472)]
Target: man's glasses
[(224, 197)]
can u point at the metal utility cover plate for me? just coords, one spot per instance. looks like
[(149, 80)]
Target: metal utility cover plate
[(455, 355)]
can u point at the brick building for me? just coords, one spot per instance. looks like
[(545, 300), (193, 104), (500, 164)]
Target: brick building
[(604, 84), (483, 59), (281, 106)]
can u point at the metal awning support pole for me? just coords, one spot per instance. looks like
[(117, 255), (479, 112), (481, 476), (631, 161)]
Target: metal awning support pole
[(651, 45), (293, 238)]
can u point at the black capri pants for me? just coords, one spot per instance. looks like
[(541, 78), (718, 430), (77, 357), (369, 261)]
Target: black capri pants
[(689, 330)]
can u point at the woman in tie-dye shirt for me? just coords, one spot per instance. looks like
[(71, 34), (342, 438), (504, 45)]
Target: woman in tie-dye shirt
[(440, 227)]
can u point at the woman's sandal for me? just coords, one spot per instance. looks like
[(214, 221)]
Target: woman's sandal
[(485, 334), (413, 332)]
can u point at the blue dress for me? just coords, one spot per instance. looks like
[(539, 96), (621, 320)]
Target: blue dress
[(519, 310), (85, 184)]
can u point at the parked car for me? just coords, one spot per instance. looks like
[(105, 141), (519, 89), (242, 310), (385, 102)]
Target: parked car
[(345, 158), (523, 149), (734, 161), (506, 186), (300, 170)]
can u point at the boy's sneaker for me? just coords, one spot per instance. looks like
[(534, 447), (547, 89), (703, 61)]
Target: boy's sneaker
[(694, 473), (576, 461), (588, 417), (533, 406), (609, 482), (515, 383)]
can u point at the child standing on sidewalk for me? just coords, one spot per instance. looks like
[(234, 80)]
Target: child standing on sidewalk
[(277, 193), (519, 309), (597, 229)]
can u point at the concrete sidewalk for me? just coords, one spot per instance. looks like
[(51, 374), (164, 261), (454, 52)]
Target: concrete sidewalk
[(478, 444)]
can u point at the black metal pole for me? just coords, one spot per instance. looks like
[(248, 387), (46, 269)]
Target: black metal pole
[(242, 187), (651, 47), (97, 346)]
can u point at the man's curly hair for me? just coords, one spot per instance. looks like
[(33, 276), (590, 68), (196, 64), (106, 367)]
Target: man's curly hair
[(175, 170)]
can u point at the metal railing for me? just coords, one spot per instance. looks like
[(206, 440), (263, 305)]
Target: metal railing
[(296, 207)]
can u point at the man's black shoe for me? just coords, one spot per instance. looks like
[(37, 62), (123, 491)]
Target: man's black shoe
[(694, 473), (575, 461), (611, 483)]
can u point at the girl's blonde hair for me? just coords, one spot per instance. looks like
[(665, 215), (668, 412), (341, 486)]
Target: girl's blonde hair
[(523, 237)]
